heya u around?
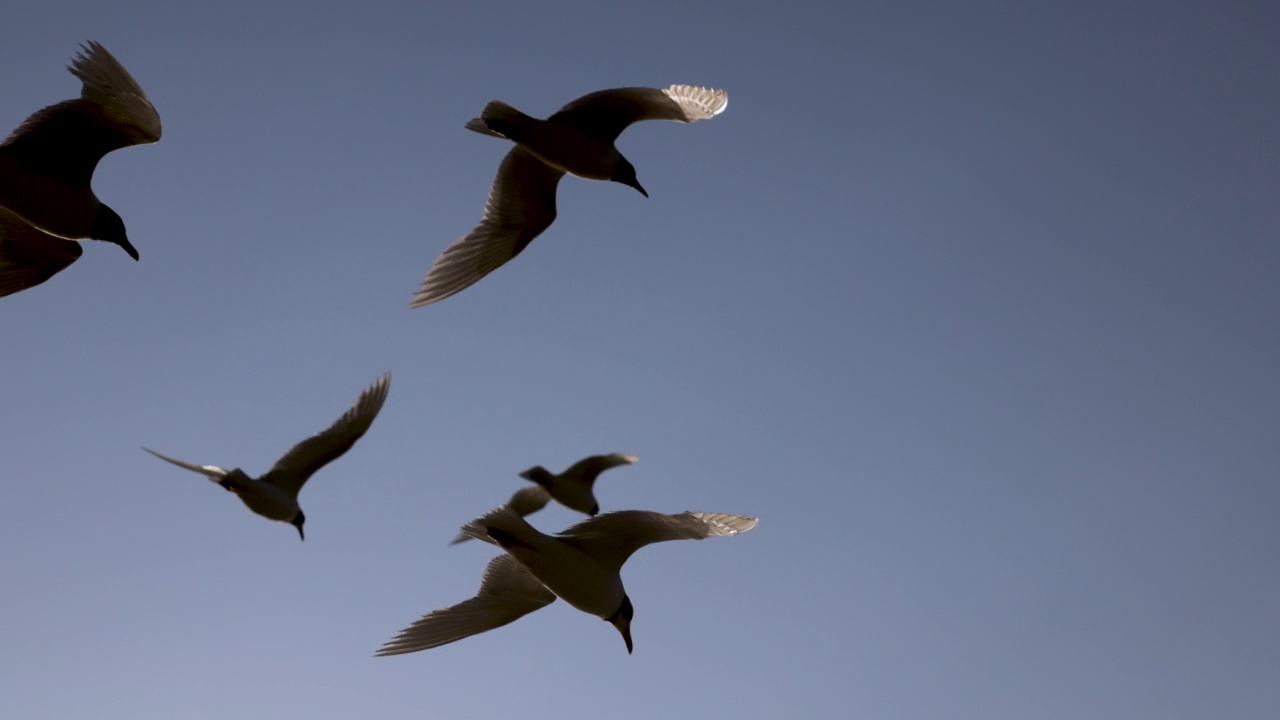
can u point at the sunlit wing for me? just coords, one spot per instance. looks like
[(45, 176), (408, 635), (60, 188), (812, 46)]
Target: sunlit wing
[(605, 114), (508, 592), (611, 538), (522, 204), (66, 140)]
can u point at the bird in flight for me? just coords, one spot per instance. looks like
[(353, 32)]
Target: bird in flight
[(275, 494), (46, 165), (578, 139), (580, 565)]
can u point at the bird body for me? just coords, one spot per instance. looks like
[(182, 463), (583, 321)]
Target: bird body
[(580, 565), (275, 494)]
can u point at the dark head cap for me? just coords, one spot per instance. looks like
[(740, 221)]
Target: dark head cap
[(625, 173), (297, 522), (108, 226)]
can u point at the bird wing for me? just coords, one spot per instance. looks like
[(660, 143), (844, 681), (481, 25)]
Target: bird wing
[(67, 140), (588, 469), (611, 538), (29, 256), (292, 471), (605, 114), (213, 472), (508, 592), (524, 502), (522, 203)]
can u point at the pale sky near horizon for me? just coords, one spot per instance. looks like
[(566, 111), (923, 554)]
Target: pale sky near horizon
[(973, 305)]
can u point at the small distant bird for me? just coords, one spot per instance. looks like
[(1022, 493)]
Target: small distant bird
[(580, 565), (28, 256), (275, 495), (47, 163), (571, 488), (579, 140)]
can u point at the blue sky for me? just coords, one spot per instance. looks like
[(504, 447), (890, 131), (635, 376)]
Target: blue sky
[(974, 307)]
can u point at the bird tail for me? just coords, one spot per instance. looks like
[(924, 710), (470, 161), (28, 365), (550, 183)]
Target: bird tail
[(501, 526), (501, 120)]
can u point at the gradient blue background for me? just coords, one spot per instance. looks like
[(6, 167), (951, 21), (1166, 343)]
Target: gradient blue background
[(975, 307)]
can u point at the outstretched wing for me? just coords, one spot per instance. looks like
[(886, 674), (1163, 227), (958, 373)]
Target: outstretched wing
[(66, 140), (611, 538), (292, 471), (29, 256), (211, 472), (605, 114), (588, 469), (508, 592), (522, 204)]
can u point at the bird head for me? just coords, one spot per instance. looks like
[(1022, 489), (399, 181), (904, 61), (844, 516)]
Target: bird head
[(108, 226), (625, 173), (297, 522), (538, 474), (622, 620)]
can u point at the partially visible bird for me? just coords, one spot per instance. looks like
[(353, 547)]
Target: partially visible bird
[(580, 565), (46, 165), (275, 494), (578, 139), (28, 256), (571, 488)]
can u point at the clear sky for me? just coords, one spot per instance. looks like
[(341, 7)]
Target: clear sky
[(973, 304)]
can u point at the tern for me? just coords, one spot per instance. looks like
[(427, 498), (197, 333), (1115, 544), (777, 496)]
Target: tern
[(275, 494), (580, 565), (46, 165), (571, 488), (578, 139)]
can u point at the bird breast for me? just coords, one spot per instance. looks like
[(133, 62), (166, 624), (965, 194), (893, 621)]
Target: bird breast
[(568, 149), (54, 207)]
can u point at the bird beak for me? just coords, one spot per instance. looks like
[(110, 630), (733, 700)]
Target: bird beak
[(129, 248), (624, 627), (300, 535), (636, 184)]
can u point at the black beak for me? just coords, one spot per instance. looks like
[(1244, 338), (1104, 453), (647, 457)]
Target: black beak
[(300, 535), (128, 247), (636, 184)]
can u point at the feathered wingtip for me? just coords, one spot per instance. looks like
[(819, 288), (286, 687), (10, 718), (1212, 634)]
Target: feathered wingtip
[(698, 103), (107, 83)]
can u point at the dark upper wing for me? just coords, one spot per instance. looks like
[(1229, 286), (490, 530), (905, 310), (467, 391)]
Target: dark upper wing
[(508, 592), (292, 471), (65, 141), (605, 114), (611, 538), (522, 203), (588, 469), (29, 256)]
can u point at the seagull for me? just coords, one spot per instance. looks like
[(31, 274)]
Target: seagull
[(571, 488), (275, 495), (578, 139), (580, 565), (29, 256), (47, 163)]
